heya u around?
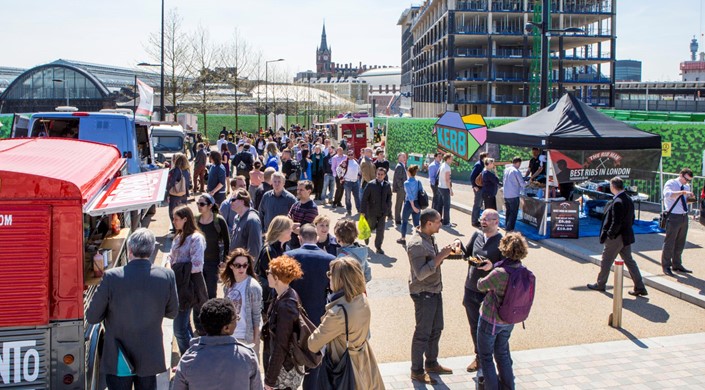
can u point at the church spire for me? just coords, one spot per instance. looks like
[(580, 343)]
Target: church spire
[(324, 43)]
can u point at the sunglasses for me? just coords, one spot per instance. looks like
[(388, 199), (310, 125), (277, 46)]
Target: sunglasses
[(239, 265), (269, 272), (202, 204)]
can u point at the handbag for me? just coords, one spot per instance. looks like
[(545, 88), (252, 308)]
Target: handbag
[(340, 375), (289, 379), (478, 180), (663, 218), (422, 198), (179, 187)]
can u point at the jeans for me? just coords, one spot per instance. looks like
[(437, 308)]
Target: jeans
[(477, 207), (472, 300), (512, 211), (211, 270), (115, 382), (493, 340), (445, 204), (406, 212), (183, 332), (428, 309), (328, 187), (354, 187)]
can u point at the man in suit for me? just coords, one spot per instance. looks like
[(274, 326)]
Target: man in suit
[(376, 203), (312, 288), (618, 236), (398, 186), (132, 301)]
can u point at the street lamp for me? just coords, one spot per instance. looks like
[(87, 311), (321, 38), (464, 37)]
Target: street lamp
[(545, 48), (66, 94), (266, 85)]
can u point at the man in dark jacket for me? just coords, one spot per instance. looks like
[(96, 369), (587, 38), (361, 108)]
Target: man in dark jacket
[(375, 205), (247, 232), (242, 164), (398, 186), (477, 202), (618, 236), (315, 263), (132, 302)]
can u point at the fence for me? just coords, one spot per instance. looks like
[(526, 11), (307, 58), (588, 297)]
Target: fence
[(654, 189)]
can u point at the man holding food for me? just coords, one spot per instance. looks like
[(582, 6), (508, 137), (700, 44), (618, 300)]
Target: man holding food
[(483, 246)]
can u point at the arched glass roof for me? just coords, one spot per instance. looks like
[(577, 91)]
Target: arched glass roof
[(55, 81)]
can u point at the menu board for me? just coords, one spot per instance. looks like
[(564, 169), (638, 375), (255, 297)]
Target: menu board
[(565, 219)]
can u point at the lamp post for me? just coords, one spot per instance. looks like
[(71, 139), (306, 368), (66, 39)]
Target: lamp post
[(66, 93), (545, 30), (266, 85)]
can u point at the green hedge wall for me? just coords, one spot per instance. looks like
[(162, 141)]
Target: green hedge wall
[(248, 123), (6, 128)]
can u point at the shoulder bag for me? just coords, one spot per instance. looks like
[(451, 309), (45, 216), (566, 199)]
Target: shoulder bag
[(179, 187), (663, 218), (422, 197), (478, 179), (340, 375)]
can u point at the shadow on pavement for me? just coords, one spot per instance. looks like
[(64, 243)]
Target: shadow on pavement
[(653, 244), (692, 281), (644, 309), (633, 338), (385, 260)]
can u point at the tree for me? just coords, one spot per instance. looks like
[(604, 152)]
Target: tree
[(202, 67), (178, 58), (240, 62)]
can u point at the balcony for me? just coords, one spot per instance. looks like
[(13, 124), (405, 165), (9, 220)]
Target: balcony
[(470, 5), (470, 76), (471, 30), (603, 8), (508, 53), (587, 78), (471, 53), (507, 6), (508, 99), (508, 30), (508, 76)]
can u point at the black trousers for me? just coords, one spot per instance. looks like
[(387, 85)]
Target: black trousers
[(338, 191), (428, 309), (377, 223)]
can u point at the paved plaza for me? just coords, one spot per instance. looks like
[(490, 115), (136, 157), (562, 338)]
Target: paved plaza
[(567, 342)]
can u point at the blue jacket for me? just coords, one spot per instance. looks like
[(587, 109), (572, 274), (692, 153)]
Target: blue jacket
[(315, 262)]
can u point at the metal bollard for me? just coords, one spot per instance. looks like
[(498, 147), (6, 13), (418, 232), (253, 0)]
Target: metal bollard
[(615, 319)]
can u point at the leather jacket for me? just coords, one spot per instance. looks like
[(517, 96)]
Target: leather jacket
[(283, 314)]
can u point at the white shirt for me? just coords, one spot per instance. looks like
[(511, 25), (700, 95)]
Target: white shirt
[(672, 186), (353, 170), (238, 295), (220, 143), (442, 182)]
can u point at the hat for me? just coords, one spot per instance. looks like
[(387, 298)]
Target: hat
[(208, 197)]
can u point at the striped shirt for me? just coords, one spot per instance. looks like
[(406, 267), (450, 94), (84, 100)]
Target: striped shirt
[(303, 212)]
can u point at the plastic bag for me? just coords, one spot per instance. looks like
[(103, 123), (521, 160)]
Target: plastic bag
[(363, 228)]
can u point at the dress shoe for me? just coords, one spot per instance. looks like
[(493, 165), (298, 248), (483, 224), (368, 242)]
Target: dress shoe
[(640, 293), (596, 287), (401, 241), (667, 271), (472, 367), (683, 270), (438, 369), (423, 378)]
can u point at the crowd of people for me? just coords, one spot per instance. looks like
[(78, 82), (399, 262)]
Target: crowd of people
[(258, 232)]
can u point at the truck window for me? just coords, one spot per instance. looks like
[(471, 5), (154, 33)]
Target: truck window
[(47, 127)]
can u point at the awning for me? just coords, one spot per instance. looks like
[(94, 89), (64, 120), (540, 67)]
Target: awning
[(127, 193)]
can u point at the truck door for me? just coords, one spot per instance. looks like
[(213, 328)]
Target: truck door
[(116, 131), (25, 238)]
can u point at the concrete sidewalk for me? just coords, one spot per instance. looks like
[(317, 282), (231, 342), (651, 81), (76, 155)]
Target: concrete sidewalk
[(670, 362), (646, 250)]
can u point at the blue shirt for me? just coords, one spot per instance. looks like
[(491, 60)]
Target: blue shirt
[(433, 172), (216, 175), (513, 182), (411, 186), (669, 196)]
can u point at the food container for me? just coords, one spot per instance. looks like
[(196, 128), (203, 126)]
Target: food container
[(98, 265), (107, 257)]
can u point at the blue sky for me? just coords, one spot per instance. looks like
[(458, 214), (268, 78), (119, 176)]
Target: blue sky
[(115, 32)]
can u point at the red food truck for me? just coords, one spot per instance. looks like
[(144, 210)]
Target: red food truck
[(63, 204)]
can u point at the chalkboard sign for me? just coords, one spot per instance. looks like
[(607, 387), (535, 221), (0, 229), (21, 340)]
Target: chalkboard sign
[(565, 219)]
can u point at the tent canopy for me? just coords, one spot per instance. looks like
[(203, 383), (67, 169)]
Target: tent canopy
[(570, 124)]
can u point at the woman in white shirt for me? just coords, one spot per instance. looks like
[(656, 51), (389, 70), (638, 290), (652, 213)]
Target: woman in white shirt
[(242, 288)]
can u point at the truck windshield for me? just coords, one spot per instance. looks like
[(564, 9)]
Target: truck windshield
[(167, 144)]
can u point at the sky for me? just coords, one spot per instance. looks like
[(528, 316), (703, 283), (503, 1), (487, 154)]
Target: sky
[(112, 32)]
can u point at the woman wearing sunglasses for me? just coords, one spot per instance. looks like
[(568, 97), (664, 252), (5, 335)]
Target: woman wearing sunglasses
[(242, 288), (215, 229)]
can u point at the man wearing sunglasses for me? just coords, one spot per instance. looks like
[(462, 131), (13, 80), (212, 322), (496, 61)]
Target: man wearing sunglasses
[(675, 195)]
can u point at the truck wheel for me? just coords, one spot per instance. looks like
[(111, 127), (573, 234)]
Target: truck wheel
[(97, 379)]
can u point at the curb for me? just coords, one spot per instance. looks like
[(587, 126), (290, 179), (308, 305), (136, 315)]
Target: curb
[(656, 282)]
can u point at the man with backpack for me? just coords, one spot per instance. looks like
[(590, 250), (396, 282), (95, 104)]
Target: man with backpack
[(510, 291), (483, 244), (291, 170), (242, 163)]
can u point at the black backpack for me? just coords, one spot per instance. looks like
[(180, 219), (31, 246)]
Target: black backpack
[(296, 171), (243, 162)]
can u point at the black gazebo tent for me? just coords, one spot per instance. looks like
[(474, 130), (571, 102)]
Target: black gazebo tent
[(570, 124)]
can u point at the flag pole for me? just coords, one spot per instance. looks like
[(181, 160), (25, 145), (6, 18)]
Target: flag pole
[(134, 101)]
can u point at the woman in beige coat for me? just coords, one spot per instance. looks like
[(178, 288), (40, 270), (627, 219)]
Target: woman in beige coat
[(348, 285)]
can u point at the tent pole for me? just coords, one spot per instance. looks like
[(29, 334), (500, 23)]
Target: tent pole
[(545, 197), (660, 181)]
